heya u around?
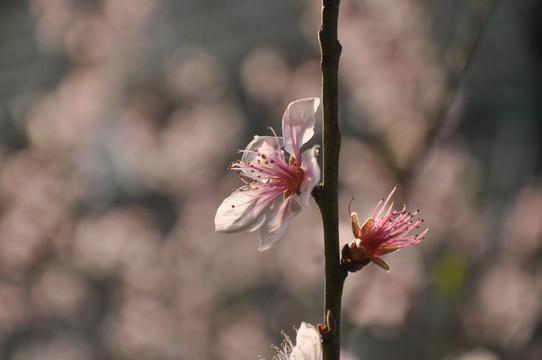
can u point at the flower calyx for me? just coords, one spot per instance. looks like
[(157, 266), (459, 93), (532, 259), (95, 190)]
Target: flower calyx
[(353, 263)]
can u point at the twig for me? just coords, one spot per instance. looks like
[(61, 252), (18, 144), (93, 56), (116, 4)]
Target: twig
[(327, 198)]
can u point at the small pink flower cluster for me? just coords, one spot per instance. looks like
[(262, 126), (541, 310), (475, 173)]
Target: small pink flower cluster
[(278, 179), (275, 187)]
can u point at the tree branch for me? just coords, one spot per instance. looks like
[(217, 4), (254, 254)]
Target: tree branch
[(328, 197)]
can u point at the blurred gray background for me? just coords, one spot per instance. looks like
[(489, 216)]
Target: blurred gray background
[(118, 119)]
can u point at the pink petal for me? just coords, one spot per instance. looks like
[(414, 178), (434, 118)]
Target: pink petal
[(243, 210), (311, 176), (277, 222), (298, 124), (262, 144)]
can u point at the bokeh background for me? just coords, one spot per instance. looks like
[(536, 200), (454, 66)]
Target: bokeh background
[(118, 119)]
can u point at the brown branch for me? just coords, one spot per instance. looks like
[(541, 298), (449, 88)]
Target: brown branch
[(327, 199)]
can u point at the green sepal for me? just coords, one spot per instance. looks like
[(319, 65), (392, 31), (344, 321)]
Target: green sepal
[(380, 262)]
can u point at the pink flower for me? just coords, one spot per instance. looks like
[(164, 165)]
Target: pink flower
[(275, 184), (308, 345), (385, 232)]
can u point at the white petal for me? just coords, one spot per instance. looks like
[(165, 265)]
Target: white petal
[(262, 144), (298, 124), (277, 222), (244, 210), (308, 344), (311, 176)]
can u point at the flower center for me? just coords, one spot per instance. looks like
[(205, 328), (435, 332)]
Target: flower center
[(293, 184), (272, 171)]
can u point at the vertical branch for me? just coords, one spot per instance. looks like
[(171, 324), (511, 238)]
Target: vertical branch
[(327, 199)]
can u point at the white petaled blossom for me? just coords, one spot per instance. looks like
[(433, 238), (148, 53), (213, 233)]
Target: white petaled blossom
[(308, 345), (278, 179)]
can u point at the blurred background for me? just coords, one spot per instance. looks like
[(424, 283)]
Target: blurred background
[(118, 119)]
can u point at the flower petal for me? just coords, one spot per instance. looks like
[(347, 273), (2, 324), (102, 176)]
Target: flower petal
[(298, 124), (308, 344), (262, 144), (277, 222), (311, 176), (355, 224), (244, 210), (366, 227)]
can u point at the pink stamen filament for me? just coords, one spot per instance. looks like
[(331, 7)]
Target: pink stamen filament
[(390, 229), (271, 170)]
